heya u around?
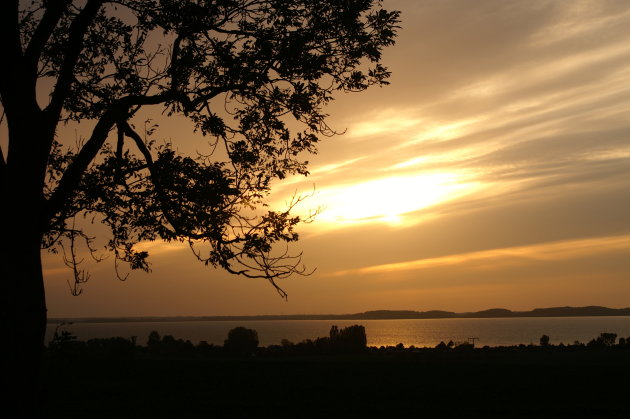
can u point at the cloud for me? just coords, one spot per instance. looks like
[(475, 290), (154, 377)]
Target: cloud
[(492, 259), (160, 248), (512, 117), (571, 22), (387, 121)]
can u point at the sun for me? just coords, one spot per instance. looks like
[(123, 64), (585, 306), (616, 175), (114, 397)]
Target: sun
[(389, 200)]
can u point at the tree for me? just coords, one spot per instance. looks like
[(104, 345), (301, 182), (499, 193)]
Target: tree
[(239, 70), (607, 339), (351, 339), (241, 340), (544, 340)]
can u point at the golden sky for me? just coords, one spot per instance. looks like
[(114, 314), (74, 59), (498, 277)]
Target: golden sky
[(494, 171)]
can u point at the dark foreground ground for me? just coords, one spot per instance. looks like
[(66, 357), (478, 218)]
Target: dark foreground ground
[(497, 384)]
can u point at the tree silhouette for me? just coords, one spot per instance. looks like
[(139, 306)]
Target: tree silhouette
[(544, 340), (241, 340), (239, 70), (605, 340), (351, 339)]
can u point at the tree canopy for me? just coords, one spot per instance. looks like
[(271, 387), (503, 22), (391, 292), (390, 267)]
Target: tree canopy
[(252, 76)]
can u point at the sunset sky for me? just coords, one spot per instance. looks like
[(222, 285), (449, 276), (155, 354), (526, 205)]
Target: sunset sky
[(494, 171)]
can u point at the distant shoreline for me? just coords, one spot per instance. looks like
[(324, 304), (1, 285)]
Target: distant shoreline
[(589, 311)]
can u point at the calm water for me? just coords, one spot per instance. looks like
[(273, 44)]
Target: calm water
[(418, 332)]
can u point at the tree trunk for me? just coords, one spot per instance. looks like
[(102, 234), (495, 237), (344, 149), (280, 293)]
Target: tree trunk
[(23, 314), (22, 296)]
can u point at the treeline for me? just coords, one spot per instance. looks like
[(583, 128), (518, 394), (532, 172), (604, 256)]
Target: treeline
[(604, 340), (242, 341)]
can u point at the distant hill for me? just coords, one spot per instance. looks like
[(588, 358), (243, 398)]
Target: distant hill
[(578, 311), (491, 313), (590, 311)]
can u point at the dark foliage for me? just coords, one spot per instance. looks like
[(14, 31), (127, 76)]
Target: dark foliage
[(544, 340), (605, 340), (241, 341), (64, 344), (251, 76), (351, 339), (238, 70), (168, 345)]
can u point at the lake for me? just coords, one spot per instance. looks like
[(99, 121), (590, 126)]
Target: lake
[(417, 332)]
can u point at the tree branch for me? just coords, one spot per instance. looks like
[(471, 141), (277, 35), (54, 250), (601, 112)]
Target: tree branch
[(3, 166), (10, 40), (11, 53), (129, 132), (120, 142), (77, 30), (173, 67), (72, 176), (54, 12)]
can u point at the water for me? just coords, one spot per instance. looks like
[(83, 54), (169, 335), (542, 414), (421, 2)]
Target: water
[(417, 332)]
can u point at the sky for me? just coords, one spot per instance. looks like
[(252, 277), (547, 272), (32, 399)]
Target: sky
[(494, 171)]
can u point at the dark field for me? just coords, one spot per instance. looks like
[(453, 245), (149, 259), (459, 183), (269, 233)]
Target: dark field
[(482, 383)]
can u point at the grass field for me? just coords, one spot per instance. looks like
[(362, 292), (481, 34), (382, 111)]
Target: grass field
[(430, 384)]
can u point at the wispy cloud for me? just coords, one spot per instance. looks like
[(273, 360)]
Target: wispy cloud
[(550, 111), (564, 250), (495, 169), (387, 121)]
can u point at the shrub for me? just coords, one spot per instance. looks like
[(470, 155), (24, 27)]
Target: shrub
[(64, 344), (464, 346)]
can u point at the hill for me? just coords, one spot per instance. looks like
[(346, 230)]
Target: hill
[(589, 311)]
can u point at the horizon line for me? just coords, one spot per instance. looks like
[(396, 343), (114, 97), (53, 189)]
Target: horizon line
[(54, 319)]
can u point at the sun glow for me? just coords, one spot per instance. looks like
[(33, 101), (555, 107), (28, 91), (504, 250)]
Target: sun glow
[(387, 200)]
